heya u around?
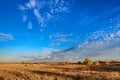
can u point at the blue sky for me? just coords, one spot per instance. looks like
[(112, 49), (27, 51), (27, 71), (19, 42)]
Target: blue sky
[(59, 30)]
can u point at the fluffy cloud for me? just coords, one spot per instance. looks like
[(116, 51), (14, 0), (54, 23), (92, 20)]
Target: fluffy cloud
[(5, 37), (44, 11)]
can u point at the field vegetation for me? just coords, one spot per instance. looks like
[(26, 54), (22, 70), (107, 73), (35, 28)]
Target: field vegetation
[(86, 70)]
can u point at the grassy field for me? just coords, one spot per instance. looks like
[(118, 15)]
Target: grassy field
[(59, 71)]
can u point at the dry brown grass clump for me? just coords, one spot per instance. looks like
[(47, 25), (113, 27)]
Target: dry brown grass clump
[(87, 61), (96, 63), (104, 62)]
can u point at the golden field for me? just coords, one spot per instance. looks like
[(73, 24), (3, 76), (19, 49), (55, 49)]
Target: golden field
[(58, 71)]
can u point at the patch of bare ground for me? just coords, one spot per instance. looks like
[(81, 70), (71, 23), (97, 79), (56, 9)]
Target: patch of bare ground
[(58, 71)]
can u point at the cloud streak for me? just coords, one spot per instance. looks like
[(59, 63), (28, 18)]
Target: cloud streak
[(105, 16), (5, 37), (59, 38)]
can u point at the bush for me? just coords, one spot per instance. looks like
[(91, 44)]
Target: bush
[(79, 62), (22, 62), (87, 61), (96, 63), (106, 63)]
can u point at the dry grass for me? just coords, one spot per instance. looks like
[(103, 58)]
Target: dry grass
[(58, 71)]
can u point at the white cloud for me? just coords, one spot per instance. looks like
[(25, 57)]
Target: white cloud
[(104, 35), (100, 45), (37, 55), (30, 25), (39, 17), (60, 35), (55, 44), (24, 19), (5, 37), (21, 7), (49, 16), (57, 1), (45, 11), (41, 30), (28, 5), (86, 18), (36, 13), (118, 33), (59, 38), (33, 3)]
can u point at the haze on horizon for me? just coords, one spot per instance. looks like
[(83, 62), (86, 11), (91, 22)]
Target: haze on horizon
[(59, 30)]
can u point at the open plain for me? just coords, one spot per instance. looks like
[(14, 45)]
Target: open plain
[(58, 71)]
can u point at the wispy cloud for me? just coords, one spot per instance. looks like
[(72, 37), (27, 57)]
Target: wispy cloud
[(60, 34), (59, 38), (55, 44), (97, 45), (24, 18), (21, 7), (30, 25), (5, 37), (44, 11), (100, 44), (37, 55), (39, 17), (86, 18)]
